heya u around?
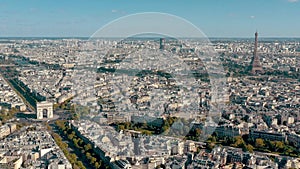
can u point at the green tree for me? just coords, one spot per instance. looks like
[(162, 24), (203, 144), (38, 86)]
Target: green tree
[(97, 165), (88, 156), (93, 160), (73, 156), (198, 132), (121, 127), (210, 146), (127, 125), (80, 165), (213, 139), (250, 148), (80, 142), (165, 128), (146, 132), (238, 142), (278, 145), (259, 143), (87, 147), (71, 136)]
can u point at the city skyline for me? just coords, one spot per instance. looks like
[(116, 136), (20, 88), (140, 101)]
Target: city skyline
[(149, 84), (216, 19)]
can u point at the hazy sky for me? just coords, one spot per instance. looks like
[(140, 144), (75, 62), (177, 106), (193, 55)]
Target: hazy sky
[(216, 18)]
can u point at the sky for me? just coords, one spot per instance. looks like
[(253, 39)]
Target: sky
[(216, 18)]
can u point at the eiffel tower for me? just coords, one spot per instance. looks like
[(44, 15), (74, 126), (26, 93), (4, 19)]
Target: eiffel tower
[(256, 67)]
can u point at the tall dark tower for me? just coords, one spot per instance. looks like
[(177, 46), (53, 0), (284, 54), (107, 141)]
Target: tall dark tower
[(255, 63), (162, 43)]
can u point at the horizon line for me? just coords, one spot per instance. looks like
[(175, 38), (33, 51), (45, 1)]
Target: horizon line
[(209, 37)]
